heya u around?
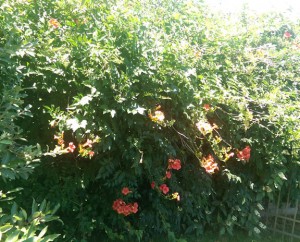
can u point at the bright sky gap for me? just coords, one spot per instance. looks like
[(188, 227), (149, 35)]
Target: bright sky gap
[(290, 8)]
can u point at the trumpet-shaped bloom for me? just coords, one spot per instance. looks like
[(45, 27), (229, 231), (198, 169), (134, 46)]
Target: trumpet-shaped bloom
[(164, 188), (54, 23), (126, 191), (206, 107), (174, 164), (71, 147), (287, 35), (209, 164), (244, 154), (157, 117), (168, 174)]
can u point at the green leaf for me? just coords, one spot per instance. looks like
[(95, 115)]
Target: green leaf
[(42, 206), (49, 218), (34, 207), (13, 210), (24, 213), (43, 232), (74, 124), (51, 237), (18, 189), (6, 142), (18, 218), (6, 158), (8, 173), (31, 239), (36, 214), (5, 228), (85, 100), (13, 237), (113, 113), (282, 176), (222, 231), (55, 209), (31, 230)]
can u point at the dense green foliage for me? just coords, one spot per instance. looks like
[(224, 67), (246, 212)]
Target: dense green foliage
[(198, 117)]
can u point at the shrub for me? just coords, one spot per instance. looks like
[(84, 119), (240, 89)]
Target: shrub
[(17, 158), (195, 118)]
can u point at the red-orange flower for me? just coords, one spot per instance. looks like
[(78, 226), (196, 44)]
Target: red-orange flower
[(60, 138), (244, 154), (71, 147), (168, 174), (88, 143), (287, 35), (174, 164), (164, 188), (126, 191), (117, 204), (206, 107), (126, 209), (210, 165), (153, 185), (91, 153), (54, 23), (60, 141), (134, 208)]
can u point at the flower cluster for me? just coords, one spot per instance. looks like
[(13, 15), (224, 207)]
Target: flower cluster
[(164, 188), (205, 127), (244, 155), (121, 207), (174, 164), (209, 164), (158, 116), (126, 209), (85, 149), (60, 148)]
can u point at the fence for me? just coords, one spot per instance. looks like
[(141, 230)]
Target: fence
[(283, 218)]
